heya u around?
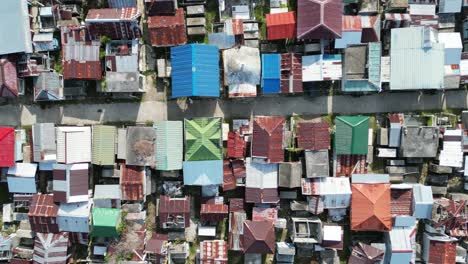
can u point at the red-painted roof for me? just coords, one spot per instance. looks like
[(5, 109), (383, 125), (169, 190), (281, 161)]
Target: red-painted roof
[(7, 146), (351, 24), (236, 205), (267, 141), (131, 183), (43, 205), (259, 237), (167, 30), (8, 79), (313, 136), (281, 25), (126, 13), (213, 212), (235, 145), (319, 19)]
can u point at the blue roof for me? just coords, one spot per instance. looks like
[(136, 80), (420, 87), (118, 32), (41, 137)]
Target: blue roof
[(195, 70), (203, 173), (21, 184), (271, 73)]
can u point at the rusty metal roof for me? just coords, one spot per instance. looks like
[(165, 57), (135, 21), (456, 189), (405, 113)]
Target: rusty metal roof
[(401, 201), (229, 181), (235, 145), (43, 205), (351, 23), (238, 168), (317, 19), (174, 206), (442, 252), (236, 205), (106, 14), (213, 212), (281, 25), (267, 141), (351, 164), (155, 245), (167, 30), (313, 136), (214, 252), (259, 237), (262, 213), (291, 73), (8, 79), (365, 254), (131, 182)]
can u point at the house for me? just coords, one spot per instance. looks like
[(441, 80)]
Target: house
[(203, 139), (214, 251), (174, 213), (74, 217), (73, 144), (267, 140), (80, 57), (213, 212), (261, 184), (258, 237), (313, 135), (426, 54), (107, 196), (365, 254), (451, 154), (70, 183), (242, 71), (140, 146), (400, 244), (167, 30), (285, 252), (43, 214), (453, 47), (203, 173), (121, 3), (44, 42), (306, 230), (236, 229), (156, 248), (51, 248), (439, 248), (450, 6), (271, 73), (346, 165), (195, 70), (21, 178), (361, 72), (332, 237), (291, 73), (9, 82), (6, 247), (317, 163), (103, 145), (169, 145), (236, 145), (48, 87), (334, 192), (133, 183), (370, 28), (290, 174), (319, 19), (351, 32), (281, 25), (322, 67), (401, 202), (105, 222), (229, 181), (160, 7), (351, 135), (419, 142), (115, 23), (178, 253), (15, 21)]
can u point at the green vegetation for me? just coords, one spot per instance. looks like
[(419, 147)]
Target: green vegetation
[(123, 223), (104, 40)]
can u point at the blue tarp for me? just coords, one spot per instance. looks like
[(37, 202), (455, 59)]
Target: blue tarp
[(203, 173), (271, 73)]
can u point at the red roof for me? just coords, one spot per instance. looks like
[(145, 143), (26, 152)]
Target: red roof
[(267, 141), (351, 24), (7, 146), (167, 30), (126, 13), (291, 73), (370, 207), (131, 183), (238, 168), (213, 212), (259, 237), (351, 164), (281, 25), (313, 136), (401, 201), (43, 214), (256, 195), (156, 244), (235, 145), (319, 19), (442, 252), (261, 213), (8, 79), (174, 206)]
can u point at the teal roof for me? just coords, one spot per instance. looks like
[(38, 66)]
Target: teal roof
[(169, 145), (351, 135)]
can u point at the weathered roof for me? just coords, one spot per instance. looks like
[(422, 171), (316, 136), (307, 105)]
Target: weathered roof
[(242, 68), (112, 14), (213, 212), (80, 209), (140, 146), (317, 163), (51, 248), (349, 164), (351, 136), (365, 254), (70, 182), (267, 140), (169, 145), (43, 205), (15, 35), (419, 142), (261, 184), (362, 68), (222, 40), (319, 19), (281, 25), (121, 3), (265, 213), (44, 147), (322, 67), (214, 251), (103, 145), (8, 79), (259, 237), (7, 146), (167, 30), (107, 191), (370, 207), (290, 174), (73, 144), (132, 182), (174, 206), (235, 145), (156, 245), (401, 199), (48, 87), (439, 249), (203, 173), (313, 136), (122, 82), (203, 139)]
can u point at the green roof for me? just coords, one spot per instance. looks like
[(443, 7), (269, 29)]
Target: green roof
[(169, 145), (105, 222), (103, 145), (203, 139), (351, 135)]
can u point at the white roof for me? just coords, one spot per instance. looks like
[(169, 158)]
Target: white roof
[(23, 170), (400, 237), (422, 194), (100, 251), (7, 215), (110, 191), (332, 232), (451, 40), (208, 231), (422, 9), (334, 185), (80, 209), (43, 37), (259, 175), (73, 144)]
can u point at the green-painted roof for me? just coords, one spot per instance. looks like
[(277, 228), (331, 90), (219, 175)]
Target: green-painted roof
[(203, 139), (351, 135), (105, 222), (103, 145), (169, 145)]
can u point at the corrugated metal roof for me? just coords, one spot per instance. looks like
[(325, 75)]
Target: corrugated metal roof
[(195, 70), (417, 60), (351, 136), (370, 207), (439, 249), (259, 237), (48, 87), (203, 173), (321, 67), (8, 79), (105, 221), (317, 164), (70, 182), (104, 145), (73, 144), (261, 183), (235, 145), (121, 3), (229, 181), (362, 68), (43, 205), (74, 217), (169, 145), (401, 200), (7, 146), (51, 248), (15, 21), (167, 30), (317, 19), (242, 71), (236, 230), (349, 164), (174, 207), (271, 73), (214, 251), (370, 28), (222, 40), (281, 25), (132, 182), (267, 140), (313, 136), (291, 73), (203, 139), (351, 23), (112, 14), (365, 254), (213, 212), (140, 146), (107, 191)]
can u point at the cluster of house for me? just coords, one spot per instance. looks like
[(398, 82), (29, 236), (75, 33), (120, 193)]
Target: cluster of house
[(312, 181)]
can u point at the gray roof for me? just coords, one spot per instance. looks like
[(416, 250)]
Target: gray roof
[(111, 191), (317, 163), (15, 33), (122, 82), (355, 62), (419, 142), (48, 87)]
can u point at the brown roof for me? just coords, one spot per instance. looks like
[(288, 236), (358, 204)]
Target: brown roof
[(236, 205), (156, 243), (8, 79), (313, 136), (365, 254), (319, 19), (131, 183), (267, 141), (291, 73), (442, 252), (351, 164), (229, 181), (370, 207), (256, 195), (238, 168), (401, 201), (235, 145), (213, 212), (174, 206), (259, 237), (43, 205), (167, 30)]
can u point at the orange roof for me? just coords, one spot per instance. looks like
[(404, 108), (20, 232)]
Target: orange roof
[(351, 23), (370, 207)]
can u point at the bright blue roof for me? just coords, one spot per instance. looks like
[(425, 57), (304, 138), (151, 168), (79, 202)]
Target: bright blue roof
[(195, 70), (202, 173), (271, 73)]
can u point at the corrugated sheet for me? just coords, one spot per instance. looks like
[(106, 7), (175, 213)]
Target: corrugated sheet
[(70, 183), (271, 73), (203, 173), (267, 140), (169, 145), (7, 146), (229, 181), (236, 205), (261, 183), (242, 71), (417, 61), (235, 145), (363, 253), (238, 168), (8, 79), (15, 21), (281, 25), (313, 136), (441, 249), (167, 30), (203, 139), (351, 136), (116, 23), (264, 213), (351, 164), (48, 87), (73, 144), (401, 201), (259, 237), (161, 7), (43, 137), (121, 3), (43, 214), (214, 252), (213, 212), (104, 145), (51, 248), (195, 70), (319, 19), (74, 217), (317, 164), (140, 146), (236, 230), (370, 28), (105, 222), (291, 73), (222, 40), (290, 174), (365, 78), (370, 207), (175, 207), (132, 182)]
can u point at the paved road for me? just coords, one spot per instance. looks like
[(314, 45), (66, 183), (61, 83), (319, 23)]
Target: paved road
[(232, 108)]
